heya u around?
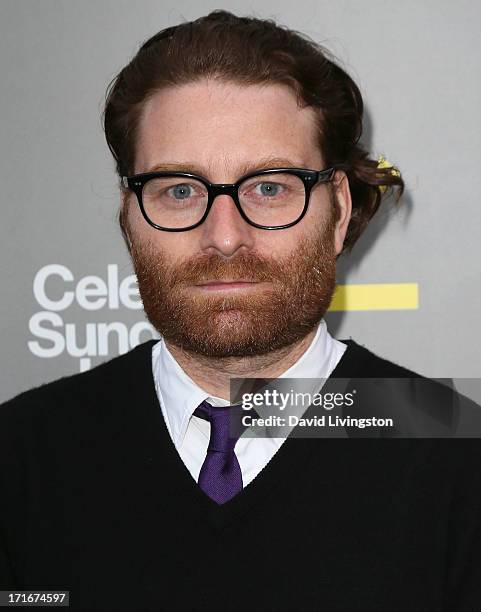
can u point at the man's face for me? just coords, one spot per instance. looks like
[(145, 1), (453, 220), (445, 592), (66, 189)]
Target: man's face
[(222, 131)]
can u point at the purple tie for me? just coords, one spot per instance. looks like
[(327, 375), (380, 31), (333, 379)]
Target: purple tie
[(220, 476)]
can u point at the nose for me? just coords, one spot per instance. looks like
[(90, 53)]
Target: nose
[(224, 230)]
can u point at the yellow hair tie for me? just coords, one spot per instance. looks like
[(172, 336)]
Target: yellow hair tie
[(382, 162)]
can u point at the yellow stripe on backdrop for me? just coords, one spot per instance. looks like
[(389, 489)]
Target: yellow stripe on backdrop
[(379, 296)]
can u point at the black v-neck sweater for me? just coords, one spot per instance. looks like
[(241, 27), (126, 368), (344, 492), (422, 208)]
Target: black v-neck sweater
[(96, 500)]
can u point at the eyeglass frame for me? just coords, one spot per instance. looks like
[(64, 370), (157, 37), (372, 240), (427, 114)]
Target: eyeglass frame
[(310, 179)]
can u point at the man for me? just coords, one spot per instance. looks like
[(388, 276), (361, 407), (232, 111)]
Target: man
[(242, 181)]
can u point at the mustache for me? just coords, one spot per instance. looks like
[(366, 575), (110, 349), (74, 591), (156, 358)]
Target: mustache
[(246, 266)]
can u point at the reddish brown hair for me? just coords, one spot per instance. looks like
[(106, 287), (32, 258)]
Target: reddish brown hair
[(248, 51)]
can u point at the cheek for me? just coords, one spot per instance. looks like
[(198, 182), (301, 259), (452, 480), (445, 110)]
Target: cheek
[(132, 215), (171, 247), (135, 215), (139, 229), (279, 244), (318, 214)]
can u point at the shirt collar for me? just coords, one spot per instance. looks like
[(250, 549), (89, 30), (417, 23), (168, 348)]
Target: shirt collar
[(179, 395)]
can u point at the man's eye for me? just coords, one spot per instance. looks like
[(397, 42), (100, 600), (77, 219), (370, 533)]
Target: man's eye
[(268, 189), (181, 191)]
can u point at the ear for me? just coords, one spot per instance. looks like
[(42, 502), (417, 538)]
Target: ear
[(342, 195)]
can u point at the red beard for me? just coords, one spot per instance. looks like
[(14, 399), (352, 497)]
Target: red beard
[(242, 324)]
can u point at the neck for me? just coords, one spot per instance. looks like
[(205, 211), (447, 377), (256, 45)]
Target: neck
[(213, 374)]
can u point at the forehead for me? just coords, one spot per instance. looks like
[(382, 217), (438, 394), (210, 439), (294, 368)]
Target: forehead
[(223, 125)]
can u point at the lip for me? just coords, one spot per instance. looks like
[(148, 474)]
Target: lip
[(215, 285)]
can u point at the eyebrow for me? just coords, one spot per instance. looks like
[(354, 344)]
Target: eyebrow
[(260, 164)]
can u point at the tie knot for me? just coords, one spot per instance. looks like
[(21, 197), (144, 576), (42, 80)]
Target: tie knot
[(225, 423)]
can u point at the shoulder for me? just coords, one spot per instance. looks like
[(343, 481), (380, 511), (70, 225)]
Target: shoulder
[(423, 406), (361, 362), (102, 381)]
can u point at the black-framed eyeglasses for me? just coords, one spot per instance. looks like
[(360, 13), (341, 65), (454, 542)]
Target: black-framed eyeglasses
[(270, 199)]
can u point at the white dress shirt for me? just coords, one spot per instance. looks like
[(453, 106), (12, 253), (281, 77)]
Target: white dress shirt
[(179, 396)]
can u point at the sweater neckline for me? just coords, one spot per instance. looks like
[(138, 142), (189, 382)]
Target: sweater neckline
[(164, 457)]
